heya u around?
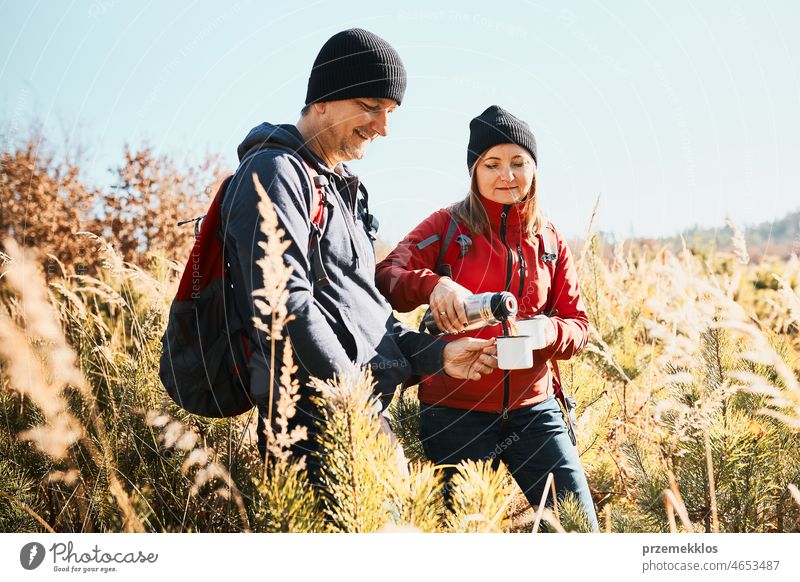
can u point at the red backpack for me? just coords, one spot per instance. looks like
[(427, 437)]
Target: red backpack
[(206, 345)]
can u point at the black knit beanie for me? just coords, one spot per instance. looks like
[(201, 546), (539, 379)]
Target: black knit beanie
[(356, 63), (493, 127)]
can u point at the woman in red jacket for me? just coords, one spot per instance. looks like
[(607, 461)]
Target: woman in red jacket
[(500, 244)]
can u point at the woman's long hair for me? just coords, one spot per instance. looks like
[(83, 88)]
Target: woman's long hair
[(470, 212)]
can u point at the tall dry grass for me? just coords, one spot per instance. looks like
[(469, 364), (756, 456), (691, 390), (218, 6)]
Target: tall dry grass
[(689, 389), (688, 418)]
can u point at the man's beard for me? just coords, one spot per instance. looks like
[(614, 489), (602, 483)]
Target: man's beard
[(352, 149)]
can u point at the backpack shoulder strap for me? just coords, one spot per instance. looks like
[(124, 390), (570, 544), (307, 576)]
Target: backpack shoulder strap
[(549, 242), (441, 268), (317, 183), (568, 402), (549, 245), (452, 228), (318, 210), (318, 213)]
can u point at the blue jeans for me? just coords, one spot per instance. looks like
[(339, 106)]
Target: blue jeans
[(532, 442)]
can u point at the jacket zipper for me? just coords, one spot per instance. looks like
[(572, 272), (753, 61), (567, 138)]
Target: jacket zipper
[(503, 217), (506, 373), (521, 272)]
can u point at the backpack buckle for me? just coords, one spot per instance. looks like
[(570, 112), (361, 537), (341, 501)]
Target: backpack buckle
[(372, 224), (464, 242), (197, 222)]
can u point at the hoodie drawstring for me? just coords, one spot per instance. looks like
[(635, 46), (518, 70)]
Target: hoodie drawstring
[(347, 223)]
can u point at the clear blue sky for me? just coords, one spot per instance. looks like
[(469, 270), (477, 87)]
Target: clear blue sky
[(677, 112)]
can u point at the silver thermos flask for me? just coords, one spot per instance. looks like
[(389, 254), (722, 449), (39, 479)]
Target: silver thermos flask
[(482, 309)]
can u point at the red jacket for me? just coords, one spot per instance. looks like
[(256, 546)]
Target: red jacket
[(503, 259)]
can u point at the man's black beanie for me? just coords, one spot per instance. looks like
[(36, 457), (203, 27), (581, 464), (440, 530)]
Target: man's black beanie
[(493, 127), (356, 63)]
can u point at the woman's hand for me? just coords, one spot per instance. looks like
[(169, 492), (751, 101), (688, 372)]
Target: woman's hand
[(549, 331), (447, 305), (541, 330), (469, 358)]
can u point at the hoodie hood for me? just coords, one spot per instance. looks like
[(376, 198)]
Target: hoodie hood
[(285, 134)]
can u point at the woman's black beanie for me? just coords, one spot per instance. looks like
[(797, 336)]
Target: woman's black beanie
[(493, 127), (356, 63)]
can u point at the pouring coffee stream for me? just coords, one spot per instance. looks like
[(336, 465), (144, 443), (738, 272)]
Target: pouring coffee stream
[(510, 329)]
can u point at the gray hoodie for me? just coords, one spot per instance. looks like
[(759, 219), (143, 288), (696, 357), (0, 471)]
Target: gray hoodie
[(336, 326)]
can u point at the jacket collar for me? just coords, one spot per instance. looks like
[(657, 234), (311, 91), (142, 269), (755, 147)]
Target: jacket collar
[(494, 211)]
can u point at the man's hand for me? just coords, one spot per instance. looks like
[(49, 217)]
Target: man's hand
[(386, 428), (399, 455), (470, 357), (447, 305)]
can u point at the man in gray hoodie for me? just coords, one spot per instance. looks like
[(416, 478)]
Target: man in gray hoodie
[(340, 320)]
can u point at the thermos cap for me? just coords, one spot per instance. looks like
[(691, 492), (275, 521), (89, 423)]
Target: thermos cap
[(503, 305)]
